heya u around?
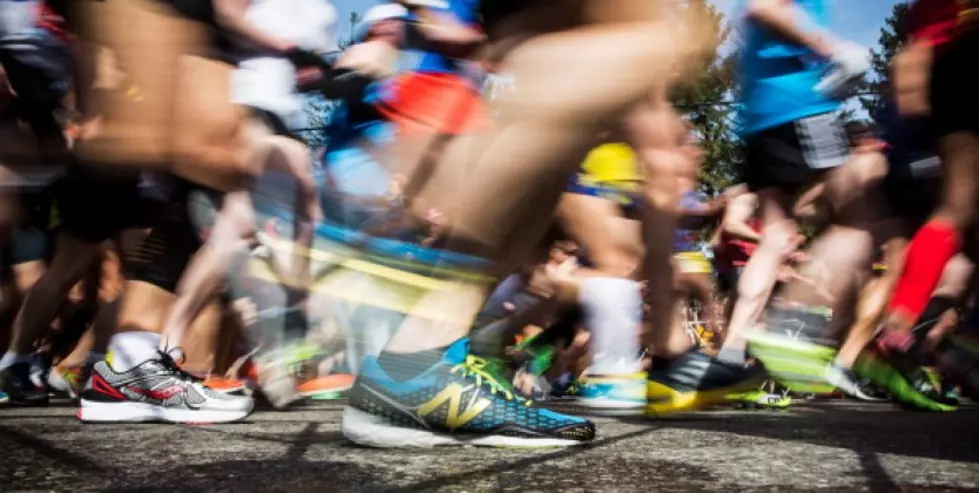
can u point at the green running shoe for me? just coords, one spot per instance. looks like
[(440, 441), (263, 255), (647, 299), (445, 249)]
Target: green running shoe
[(760, 399), (906, 383), (799, 365)]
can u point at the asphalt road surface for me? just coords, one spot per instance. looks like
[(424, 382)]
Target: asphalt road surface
[(826, 446)]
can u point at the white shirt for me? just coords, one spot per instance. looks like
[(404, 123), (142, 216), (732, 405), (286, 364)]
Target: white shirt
[(269, 82), (17, 16)]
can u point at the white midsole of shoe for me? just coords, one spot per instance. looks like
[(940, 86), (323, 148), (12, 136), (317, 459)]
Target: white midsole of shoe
[(109, 412), (609, 403), (373, 431)]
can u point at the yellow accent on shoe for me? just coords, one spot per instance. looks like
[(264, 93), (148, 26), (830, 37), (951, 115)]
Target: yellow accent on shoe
[(665, 400)]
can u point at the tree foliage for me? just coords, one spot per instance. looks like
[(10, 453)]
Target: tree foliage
[(891, 38), (703, 102), (318, 109)]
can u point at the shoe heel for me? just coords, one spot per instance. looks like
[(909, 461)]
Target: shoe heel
[(373, 431)]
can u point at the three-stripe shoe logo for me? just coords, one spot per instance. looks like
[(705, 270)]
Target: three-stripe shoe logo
[(456, 416)]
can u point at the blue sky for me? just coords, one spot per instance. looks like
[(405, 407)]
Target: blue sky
[(857, 20)]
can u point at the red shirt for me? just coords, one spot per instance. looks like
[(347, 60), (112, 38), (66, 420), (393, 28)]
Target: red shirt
[(735, 252), (939, 21)]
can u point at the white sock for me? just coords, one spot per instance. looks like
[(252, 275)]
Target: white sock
[(613, 314), (10, 359), (732, 355), (130, 349)]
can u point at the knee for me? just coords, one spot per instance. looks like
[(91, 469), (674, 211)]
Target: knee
[(779, 240)]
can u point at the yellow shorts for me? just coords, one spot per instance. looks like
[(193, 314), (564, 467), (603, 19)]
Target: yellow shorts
[(693, 263)]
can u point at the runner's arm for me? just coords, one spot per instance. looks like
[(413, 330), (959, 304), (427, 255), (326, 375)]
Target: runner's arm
[(451, 35), (735, 222), (710, 209)]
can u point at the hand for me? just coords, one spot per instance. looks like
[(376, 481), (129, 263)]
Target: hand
[(847, 65), (373, 59), (88, 129), (562, 273), (303, 58), (308, 75), (799, 256), (247, 310)]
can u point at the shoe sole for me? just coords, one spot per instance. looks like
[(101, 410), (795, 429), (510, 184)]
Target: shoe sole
[(230, 390), (755, 401), (311, 394), (604, 406), (799, 365), (671, 401), (140, 412), (373, 431), (885, 376)]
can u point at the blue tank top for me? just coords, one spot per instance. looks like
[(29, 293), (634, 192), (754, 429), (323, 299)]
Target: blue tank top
[(778, 78)]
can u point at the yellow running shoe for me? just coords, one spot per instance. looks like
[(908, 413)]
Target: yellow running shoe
[(696, 380)]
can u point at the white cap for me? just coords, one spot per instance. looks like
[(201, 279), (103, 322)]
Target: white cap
[(378, 13)]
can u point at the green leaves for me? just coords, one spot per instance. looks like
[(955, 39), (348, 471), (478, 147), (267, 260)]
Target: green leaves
[(892, 37)]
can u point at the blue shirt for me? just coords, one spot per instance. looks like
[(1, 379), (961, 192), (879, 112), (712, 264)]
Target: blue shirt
[(418, 57), (778, 78)]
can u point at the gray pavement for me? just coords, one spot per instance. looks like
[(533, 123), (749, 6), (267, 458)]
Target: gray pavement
[(826, 446)]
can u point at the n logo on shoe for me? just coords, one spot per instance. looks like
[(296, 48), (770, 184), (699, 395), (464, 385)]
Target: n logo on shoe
[(453, 395)]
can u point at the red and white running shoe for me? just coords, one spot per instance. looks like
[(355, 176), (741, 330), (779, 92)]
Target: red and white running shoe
[(156, 390)]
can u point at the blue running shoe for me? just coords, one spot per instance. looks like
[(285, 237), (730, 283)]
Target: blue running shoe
[(459, 401), (4, 398), (613, 393)]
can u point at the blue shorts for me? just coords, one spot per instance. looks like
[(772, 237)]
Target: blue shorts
[(627, 198)]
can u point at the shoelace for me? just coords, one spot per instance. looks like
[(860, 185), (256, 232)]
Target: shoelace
[(171, 364), (483, 371)]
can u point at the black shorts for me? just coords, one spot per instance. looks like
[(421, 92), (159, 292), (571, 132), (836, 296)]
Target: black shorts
[(162, 257), (38, 68), (794, 155), (31, 240), (94, 205), (728, 278), (955, 86), (913, 185)]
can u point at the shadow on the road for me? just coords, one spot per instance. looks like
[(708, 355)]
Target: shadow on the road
[(301, 441), (46, 449), (934, 436), (286, 474), (500, 467)]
